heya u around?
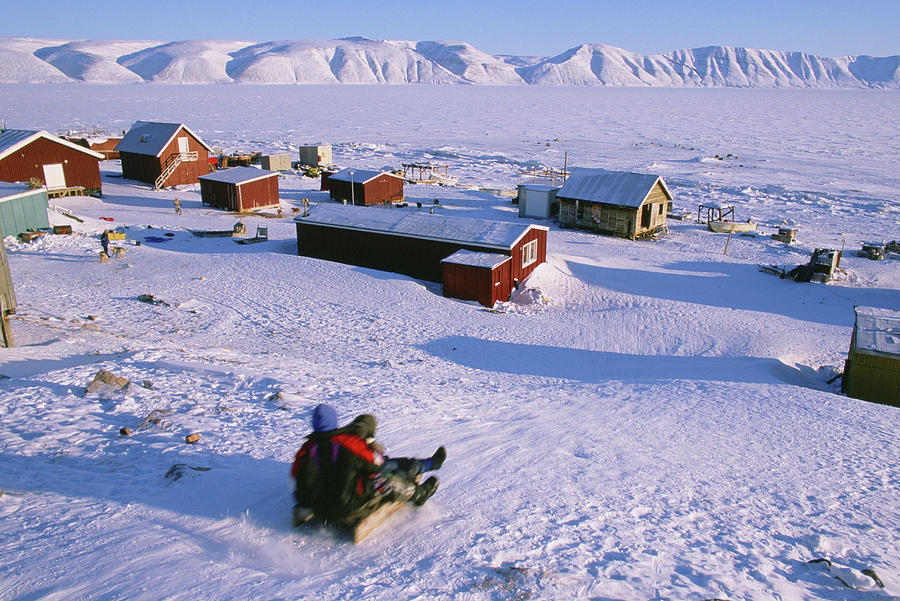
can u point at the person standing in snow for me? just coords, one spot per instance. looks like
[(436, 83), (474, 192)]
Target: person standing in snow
[(104, 242), (341, 474), (177, 206)]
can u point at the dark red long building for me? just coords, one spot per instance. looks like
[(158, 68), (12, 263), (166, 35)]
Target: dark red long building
[(416, 243), (57, 163), (163, 154)]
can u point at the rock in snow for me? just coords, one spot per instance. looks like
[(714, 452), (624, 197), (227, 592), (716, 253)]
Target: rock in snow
[(360, 60)]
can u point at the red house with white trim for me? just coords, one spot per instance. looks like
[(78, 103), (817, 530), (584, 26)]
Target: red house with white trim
[(57, 163), (163, 154)]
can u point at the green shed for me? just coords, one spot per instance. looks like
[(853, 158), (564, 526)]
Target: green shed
[(22, 209), (872, 369)]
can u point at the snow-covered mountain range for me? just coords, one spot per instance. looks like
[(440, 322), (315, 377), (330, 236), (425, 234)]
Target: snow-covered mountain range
[(364, 61)]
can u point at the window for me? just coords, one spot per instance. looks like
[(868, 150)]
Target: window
[(579, 209), (529, 253)]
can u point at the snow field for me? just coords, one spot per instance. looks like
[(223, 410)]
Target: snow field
[(662, 427)]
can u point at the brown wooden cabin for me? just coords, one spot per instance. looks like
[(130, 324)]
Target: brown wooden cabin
[(416, 243), (363, 187), (631, 205), (105, 146), (872, 369), (57, 163), (163, 154), (240, 189)]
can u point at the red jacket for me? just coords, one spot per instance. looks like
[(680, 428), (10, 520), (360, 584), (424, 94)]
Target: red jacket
[(333, 472)]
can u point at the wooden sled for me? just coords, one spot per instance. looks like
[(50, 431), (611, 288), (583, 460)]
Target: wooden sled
[(262, 234), (213, 233), (357, 531), (367, 525)]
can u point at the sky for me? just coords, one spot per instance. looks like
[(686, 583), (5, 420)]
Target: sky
[(829, 28)]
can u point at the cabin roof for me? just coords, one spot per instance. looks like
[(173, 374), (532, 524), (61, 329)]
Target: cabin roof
[(359, 176), (620, 188), (878, 330), (237, 175), (152, 137), (502, 235), (13, 139), (476, 259)]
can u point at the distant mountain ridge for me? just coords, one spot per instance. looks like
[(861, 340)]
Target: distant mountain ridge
[(360, 60)]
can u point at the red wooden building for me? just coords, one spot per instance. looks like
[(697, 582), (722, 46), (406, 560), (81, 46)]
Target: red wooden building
[(103, 145), (364, 187), (57, 163), (483, 277), (163, 154), (240, 189), (422, 245)]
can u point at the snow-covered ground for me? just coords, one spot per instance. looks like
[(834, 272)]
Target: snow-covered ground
[(661, 428)]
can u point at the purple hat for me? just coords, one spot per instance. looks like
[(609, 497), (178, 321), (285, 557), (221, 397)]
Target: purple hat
[(324, 418)]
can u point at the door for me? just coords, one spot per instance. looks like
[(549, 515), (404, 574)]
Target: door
[(645, 216), (54, 177), (183, 147)]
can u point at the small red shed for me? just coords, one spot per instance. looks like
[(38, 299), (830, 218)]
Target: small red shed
[(57, 163), (364, 187), (240, 189), (163, 154), (417, 243), (483, 277)]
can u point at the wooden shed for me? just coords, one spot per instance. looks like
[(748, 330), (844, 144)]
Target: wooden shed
[(619, 203), (872, 369), (276, 162), (104, 145), (22, 208), (240, 189), (415, 243), (537, 201), (478, 276), (58, 164), (7, 295), (316, 156), (163, 154), (363, 187)]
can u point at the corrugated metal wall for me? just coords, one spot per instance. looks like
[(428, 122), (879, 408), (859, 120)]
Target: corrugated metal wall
[(874, 378), (259, 193), (21, 214), (482, 284)]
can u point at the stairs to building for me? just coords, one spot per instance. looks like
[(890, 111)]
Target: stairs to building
[(171, 164)]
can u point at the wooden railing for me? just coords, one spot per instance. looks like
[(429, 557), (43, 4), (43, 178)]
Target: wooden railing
[(171, 164)]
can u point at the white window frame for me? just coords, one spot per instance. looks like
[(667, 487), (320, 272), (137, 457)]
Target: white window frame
[(529, 253)]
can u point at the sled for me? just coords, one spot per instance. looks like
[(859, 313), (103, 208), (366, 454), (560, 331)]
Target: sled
[(358, 530), (262, 234), (368, 524), (212, 233)]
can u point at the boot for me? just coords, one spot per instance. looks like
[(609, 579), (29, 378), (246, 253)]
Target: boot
[(437, 460), (425, 490)]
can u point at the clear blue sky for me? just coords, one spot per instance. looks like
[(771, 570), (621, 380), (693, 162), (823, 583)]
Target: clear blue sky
[(525, 27)]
